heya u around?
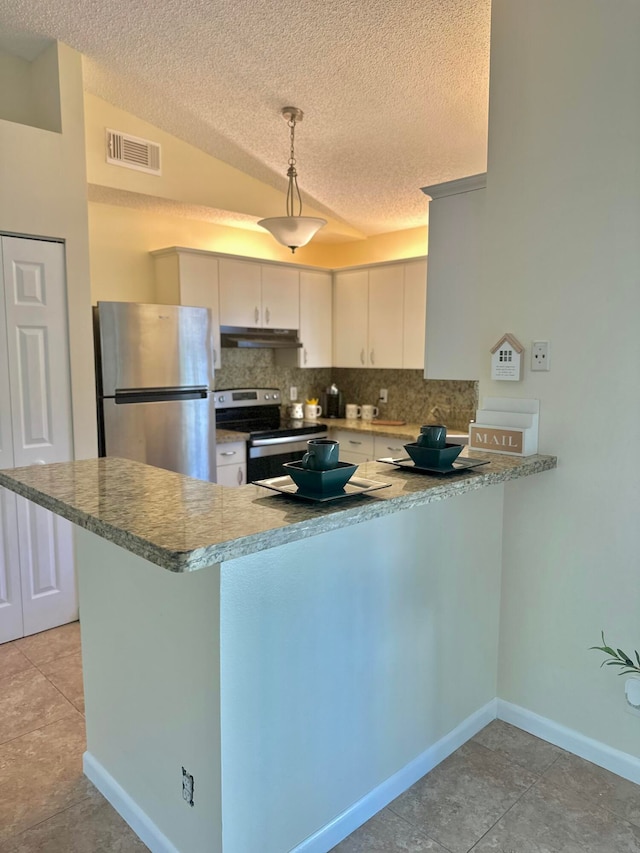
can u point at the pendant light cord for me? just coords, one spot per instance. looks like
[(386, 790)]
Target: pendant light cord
[(293, 191)]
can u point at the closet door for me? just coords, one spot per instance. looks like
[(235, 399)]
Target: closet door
[(40, 395), (10, 596)]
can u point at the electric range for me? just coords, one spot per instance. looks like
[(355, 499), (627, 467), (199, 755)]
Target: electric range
[(273, 440)]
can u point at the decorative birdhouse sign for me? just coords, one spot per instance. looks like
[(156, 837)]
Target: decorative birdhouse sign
[(506, 358)]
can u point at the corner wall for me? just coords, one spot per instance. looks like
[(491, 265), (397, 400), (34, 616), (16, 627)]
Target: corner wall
[(44, 194), (563, 264)]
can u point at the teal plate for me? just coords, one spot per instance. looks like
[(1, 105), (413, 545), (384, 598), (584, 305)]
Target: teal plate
[(355, 486), (458, 465)]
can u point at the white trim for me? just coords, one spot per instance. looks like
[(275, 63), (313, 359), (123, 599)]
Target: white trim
[(622, 763), (129, 811), (462, 185), (344, 824)]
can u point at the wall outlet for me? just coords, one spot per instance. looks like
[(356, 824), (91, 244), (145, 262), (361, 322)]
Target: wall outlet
[(383, 396), (540, 355), (293, 393), (187, 787)]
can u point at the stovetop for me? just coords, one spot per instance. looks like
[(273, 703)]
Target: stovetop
[(257, 411)]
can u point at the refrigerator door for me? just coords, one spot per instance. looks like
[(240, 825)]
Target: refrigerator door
[(154, 346), (176, 434)]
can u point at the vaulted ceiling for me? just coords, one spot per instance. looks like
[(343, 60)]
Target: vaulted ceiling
[(394, 92)]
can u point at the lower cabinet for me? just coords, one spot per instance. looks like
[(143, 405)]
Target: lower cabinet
[(385, 445), (231, 464), (355, 447)]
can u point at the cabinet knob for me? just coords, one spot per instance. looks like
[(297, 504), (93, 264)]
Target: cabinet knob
[(240, 476), (228, 453), (267, 315), (373, 361), (353, 441), (362, 356), (256, 314)]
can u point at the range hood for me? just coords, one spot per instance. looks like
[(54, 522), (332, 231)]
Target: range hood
[(239, 336)]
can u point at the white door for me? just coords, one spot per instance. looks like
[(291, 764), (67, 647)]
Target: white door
[(415, 313), (240, 293), (280, 297), (315, 319), (199, 286), (386, 315), (350, 318), (40, 395)]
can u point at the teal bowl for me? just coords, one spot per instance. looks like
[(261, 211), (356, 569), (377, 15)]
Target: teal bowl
[(320, 482), (433, 457)]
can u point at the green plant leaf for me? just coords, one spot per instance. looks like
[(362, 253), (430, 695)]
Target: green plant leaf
[(638, 657), (625, 658)]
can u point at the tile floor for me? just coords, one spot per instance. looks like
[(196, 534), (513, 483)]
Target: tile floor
[(502, 792)]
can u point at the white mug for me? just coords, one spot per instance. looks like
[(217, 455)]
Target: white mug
[(312, 412), (296, 411), (352, 411), (369, 413)]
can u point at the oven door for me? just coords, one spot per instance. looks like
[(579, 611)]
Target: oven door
[(267, 455)]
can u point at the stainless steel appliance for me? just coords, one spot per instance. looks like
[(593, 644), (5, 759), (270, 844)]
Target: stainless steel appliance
[(272, 439), (154, 369)]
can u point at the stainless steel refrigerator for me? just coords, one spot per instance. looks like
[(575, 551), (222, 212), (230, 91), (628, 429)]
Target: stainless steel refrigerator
[(154, 369)]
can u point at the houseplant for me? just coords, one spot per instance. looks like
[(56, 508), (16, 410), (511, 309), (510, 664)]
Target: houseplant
[(616, 657)]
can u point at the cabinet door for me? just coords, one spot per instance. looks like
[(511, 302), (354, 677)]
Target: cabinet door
[(232, 475), (415, 314), (350, 318), (354, 446), (240, 293), (38, 358), (199, 287), (386, 314), (280, 297), (315, 319), (388, 445)]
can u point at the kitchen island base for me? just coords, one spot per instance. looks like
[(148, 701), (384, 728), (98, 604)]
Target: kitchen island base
[(302, 686)]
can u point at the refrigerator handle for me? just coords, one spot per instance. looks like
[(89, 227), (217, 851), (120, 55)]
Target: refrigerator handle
[(154, 395)]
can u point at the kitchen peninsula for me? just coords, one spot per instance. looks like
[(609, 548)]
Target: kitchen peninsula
[(303, 663)]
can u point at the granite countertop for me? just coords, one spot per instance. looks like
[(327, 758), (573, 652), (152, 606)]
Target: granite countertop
[(410, 431), (226, 436), (182, 524)]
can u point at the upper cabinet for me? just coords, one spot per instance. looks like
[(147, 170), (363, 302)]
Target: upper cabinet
[(258, 295), (189, 277), (379, 316), (456, 243), (315, 323)]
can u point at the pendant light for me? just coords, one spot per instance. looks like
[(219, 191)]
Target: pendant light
[(294, 229)]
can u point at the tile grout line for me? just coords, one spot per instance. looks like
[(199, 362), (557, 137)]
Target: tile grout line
[(417, 829), (15, 835), (43, 726)]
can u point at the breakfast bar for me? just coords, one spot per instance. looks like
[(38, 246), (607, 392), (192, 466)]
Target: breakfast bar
[(301, 663)]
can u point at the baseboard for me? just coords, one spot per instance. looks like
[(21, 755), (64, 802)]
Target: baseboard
[(357, 814), (622, 763), (128, 810)]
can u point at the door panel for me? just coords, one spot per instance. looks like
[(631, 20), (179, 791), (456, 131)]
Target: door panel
[(240, 293), (315, 319), (386, 306), (280, 297), (49, 595), (415, 314), (11, 625), (179, 435), (38, 355), (350, 318), (6, 427)]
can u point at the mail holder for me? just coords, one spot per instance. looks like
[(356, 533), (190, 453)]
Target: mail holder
[(507, 426)]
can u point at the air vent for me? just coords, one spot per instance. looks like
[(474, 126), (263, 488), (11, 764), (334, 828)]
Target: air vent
[(133, 152)]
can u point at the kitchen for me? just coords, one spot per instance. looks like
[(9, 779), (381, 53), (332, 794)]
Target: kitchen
[(519, 287)]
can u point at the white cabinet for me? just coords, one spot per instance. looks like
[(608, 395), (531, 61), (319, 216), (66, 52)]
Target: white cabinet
[(386, 445), (315, 325), (351, 318), (415, 314), (258, 295), (355, 447), (37, 578), (379, 316), (231, 463), (190, 277)]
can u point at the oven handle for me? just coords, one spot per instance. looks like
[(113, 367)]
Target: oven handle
[(286, 439)]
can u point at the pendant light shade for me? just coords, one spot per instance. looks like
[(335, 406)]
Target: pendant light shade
[(293, 230)]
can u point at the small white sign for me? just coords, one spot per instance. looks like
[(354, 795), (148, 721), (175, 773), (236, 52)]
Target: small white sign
[(506, 358)]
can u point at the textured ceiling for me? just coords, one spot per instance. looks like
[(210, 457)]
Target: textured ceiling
[(394, 91)]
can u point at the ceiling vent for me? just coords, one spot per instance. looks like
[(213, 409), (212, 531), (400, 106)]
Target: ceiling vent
[(133, 152)]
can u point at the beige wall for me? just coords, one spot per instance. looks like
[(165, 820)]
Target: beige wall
[(43, 181), (563, 264)]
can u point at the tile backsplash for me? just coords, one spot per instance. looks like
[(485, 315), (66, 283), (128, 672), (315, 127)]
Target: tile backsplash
[(411, 397)]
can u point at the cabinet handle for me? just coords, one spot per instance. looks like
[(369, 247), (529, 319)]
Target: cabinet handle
[(395, 449), (240, 476), (256, 314), (215, 356), (305, 356), (267, 315), (352, 441), (228, 453), (373, 361), (362, 356)]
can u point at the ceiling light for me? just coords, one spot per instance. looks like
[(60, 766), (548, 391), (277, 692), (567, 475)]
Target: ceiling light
[(293, 230)]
